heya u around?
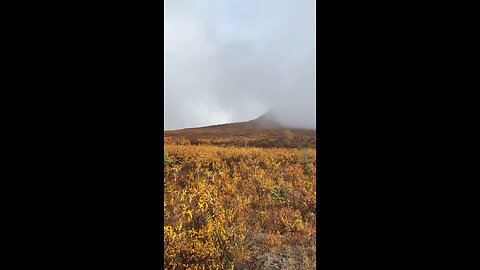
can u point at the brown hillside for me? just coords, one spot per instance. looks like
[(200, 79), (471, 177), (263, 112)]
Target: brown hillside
[(264, 131)]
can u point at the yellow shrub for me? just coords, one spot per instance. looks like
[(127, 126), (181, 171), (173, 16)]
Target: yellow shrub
[(216, 198)]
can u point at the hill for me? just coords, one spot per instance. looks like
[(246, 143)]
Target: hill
[(240, 196), (265, 131)]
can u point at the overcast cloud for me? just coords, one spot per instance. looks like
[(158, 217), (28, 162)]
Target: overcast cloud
[(232, 60)]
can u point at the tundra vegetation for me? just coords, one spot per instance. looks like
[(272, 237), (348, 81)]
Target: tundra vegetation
[(239, 207)]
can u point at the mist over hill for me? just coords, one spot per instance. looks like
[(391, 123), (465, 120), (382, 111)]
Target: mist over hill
[(264, 131), (231, 61), (292, 117), (273, 119)]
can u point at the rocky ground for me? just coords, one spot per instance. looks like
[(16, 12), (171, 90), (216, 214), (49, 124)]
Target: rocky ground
[(275, 253)]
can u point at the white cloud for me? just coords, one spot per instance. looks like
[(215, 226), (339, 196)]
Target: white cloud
[(231, 60)]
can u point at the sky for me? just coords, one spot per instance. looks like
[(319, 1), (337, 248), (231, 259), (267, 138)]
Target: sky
[(233, 60)]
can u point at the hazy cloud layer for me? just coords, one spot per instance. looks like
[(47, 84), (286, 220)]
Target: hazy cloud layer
[(231, 61)]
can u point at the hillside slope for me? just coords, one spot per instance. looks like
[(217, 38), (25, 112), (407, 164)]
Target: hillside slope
[(264, 131)]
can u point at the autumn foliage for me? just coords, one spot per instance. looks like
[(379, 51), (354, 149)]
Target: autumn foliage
[(216, 199)]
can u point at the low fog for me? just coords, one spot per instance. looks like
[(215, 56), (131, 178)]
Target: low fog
[(231, 61)]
